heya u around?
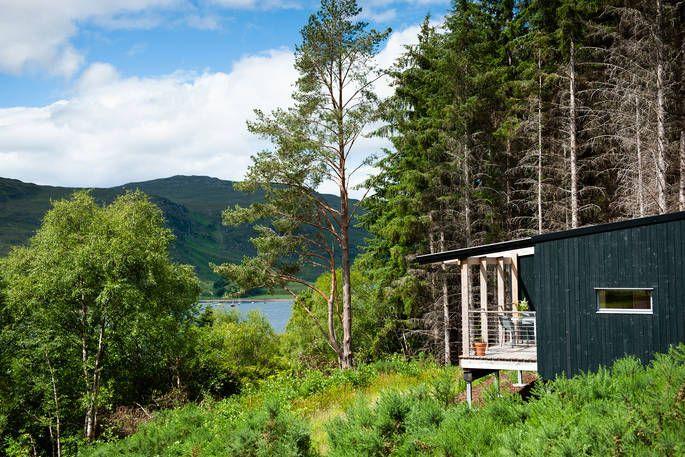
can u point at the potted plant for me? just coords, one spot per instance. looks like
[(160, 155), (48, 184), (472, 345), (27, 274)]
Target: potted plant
[(479, 346), (523, 305)]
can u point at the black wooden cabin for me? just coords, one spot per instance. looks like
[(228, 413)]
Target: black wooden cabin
[(597, 293)]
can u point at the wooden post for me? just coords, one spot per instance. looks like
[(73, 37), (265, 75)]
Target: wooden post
[(446, 317), (465, 291), (500, 295), (514, 268), (484, 300), (515, 282)]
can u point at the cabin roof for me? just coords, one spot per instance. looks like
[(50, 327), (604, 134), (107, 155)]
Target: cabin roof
[(475, 251), (484, 249)]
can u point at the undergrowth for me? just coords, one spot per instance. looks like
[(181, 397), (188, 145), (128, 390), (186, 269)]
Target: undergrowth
[(408, 408), (628, 409), (289, 411)]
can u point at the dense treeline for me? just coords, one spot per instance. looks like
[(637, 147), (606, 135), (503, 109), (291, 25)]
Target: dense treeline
[(518, 117)]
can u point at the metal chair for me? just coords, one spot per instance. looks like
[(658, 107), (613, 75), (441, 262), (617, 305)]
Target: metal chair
[(508, 326)]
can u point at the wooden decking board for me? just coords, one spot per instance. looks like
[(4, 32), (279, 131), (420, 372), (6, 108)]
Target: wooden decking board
[(516, 353)]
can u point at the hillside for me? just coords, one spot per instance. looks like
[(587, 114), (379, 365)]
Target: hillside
[(192, 206), (408, 409)]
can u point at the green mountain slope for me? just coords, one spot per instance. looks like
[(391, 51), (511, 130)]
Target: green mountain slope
[(192, 207)]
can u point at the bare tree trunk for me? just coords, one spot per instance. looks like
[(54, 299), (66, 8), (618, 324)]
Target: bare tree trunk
[(572, 136), (681, 196), (660, 114), (92, 408), (346, 288), (445, 306), (345, 257), (681, 90), (467, 194), (33, 446), (507, 188), (347, 310), (638, 150), (332, 337), (55, 397), (433, 322), (539, 128), (84, 359), (345, 216)]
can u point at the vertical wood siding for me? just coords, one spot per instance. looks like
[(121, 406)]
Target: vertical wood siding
[(571, 336), (527, 285)]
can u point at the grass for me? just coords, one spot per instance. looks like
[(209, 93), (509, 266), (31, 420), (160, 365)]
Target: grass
[(325, 406), (628, 409), (397, 408), (314, 396)]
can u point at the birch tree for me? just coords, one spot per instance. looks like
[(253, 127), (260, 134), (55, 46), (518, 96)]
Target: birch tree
[(92, 287)]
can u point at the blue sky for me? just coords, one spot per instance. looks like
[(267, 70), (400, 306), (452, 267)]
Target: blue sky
[(99, 92)]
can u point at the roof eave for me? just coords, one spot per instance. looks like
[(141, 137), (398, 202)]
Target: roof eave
[(475, 251)]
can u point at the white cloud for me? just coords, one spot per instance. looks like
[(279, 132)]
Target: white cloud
[(262, 4), (96, 76), (204, 22), (379, 16), (394, 48), (116, 129), (35, 34)]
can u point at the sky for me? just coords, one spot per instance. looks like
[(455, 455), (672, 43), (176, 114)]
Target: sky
[(97, 93)]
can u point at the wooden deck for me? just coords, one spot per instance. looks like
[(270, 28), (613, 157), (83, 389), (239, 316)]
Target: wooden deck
[(503, 358), (519, 353)]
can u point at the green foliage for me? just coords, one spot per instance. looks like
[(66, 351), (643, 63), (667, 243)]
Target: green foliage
[(389, 426), (299, 230), (626, 410), (372, 341), (629, 409), (231, 351), (272, 431), (192, 207), (266, 418), (478, 116), (333, 102), (93, 314), (269, 430)]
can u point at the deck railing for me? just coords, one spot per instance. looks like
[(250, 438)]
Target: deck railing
[(501, 332)]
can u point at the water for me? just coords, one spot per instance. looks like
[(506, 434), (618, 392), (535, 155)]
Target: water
[(277, 312)]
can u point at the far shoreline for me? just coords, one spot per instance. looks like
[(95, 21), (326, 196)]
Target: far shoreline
[(245, 299)]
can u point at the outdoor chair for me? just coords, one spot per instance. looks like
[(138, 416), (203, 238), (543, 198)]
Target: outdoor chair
[(508, 326)]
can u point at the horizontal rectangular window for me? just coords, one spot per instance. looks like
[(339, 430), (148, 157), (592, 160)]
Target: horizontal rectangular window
[(624, 300)]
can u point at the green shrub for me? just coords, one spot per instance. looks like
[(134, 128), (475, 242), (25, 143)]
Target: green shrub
[(232, 351), (271, 431), (255, 422), (629, 409)]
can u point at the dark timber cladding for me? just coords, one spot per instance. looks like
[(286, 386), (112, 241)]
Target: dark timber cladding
[(560, 281), (641, 253), (527, 284)]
